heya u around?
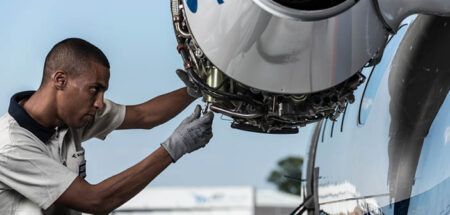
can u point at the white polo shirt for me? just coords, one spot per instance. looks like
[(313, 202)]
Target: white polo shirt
[(38, 164)]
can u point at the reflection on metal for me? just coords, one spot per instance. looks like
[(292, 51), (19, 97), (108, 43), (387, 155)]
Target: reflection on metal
[(332, 129), (375, 77), (323, 131), (355, 198), (343, 198), (343, 118), (364, 104), (426, 76), (310, 201), (399, 158)]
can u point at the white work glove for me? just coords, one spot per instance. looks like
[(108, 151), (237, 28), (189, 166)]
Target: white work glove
[(192, 90), (193, 133)]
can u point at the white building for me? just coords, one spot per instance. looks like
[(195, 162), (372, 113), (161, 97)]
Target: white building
[(209, 201)]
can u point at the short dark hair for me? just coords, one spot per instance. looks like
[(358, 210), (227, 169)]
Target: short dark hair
[(74, 56)]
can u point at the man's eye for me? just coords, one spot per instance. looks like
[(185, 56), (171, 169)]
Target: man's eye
[(94, 90)]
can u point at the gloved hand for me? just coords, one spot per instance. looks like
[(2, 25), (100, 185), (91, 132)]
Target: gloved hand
[(193, 133), (191, 88)]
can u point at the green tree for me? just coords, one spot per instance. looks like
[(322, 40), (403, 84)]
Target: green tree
[(287, 175)]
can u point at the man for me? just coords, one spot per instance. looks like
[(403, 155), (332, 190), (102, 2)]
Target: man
[(41, 158)]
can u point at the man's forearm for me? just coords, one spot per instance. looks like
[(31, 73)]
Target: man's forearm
[(120, 188), (114, 191), (157, 110), (170, 104)]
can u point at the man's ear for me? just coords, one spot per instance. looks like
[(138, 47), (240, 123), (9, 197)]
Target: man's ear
[(59, 79)]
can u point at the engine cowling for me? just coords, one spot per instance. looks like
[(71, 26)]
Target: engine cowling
[(272, 73)]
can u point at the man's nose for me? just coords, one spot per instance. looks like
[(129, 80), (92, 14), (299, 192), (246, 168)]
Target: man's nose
[(99, 104)]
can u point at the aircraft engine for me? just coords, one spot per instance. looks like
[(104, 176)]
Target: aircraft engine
[(275, 65)]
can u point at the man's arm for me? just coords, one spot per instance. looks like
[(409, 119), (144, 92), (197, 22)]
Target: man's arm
[(193, 133), (113, 192), (157, 110)]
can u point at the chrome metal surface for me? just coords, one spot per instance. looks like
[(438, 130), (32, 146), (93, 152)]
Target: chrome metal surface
[(286, 56)]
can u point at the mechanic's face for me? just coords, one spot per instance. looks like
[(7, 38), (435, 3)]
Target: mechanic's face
[(82, 96)]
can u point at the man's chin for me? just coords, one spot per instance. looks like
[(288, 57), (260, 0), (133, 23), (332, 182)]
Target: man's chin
[(82, 124), (77, 126), (89, 122)]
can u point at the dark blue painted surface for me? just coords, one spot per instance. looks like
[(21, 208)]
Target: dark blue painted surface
[(193, 4)]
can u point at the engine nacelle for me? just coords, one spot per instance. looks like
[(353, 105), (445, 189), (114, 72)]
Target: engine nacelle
[(274, 65)]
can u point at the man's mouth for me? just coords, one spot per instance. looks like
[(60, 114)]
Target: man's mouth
[(92, 116)]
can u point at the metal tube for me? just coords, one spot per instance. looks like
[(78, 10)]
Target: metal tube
[(234, 114), (175, 6), (180, 31), (214, 80)]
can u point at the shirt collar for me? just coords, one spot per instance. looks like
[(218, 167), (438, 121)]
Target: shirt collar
[(25, 120)]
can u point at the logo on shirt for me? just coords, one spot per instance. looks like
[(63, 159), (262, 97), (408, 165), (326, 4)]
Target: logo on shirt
[(193, 4), (77, 162), (82, 169)]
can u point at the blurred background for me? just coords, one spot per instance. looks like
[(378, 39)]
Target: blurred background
[(139, 41)]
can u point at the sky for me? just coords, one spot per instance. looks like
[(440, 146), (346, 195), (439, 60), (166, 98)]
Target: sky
[(138, 39)]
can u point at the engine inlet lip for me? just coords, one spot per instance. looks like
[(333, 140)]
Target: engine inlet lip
[(309, 5), (286, 11)]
